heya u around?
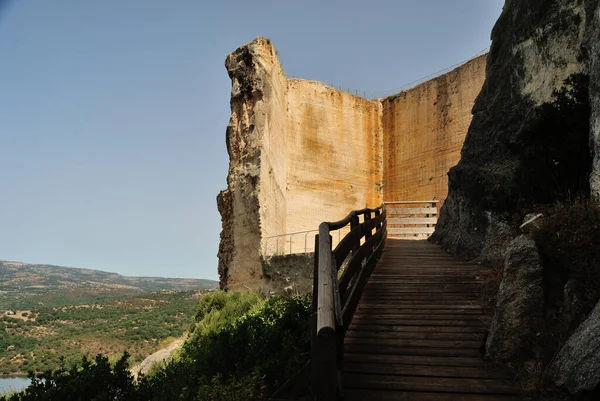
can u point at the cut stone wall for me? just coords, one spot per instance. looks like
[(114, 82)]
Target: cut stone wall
[(334, 154), (301, 153), (424, 130)]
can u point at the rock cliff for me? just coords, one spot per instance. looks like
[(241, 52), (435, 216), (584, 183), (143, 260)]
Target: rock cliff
[(533, 145), (302, 152), (529, 140), (255, 143)]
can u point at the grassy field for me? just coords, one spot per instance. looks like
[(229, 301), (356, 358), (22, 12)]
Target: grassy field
[(38, 339)]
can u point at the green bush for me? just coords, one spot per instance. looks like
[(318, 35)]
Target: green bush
[(96, 380), (241, 347), (238, 340)]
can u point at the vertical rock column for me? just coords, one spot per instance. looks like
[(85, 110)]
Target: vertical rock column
[(253, 205)]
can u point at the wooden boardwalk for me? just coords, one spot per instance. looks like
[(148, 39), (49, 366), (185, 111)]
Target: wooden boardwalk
[(418, 331)]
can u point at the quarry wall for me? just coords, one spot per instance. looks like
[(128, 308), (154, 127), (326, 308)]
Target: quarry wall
[(424, 129), (334, 160), (302, 153)]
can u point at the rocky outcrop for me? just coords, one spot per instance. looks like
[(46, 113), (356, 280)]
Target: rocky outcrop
[(577, 365), (592, 48), (534, 141), (520, 302), (528, 142), (254, 135)]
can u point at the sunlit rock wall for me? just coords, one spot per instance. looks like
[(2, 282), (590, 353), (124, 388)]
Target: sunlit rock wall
[(334, 160), (253, 205), (301, 153), (424, 129)]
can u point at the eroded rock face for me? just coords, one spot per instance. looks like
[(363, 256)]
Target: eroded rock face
[(520, 303), (255, 140), (301, 152), (577, 364), (592, 48), (529, 138)]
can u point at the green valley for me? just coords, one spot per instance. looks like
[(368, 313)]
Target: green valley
[(51, 316)]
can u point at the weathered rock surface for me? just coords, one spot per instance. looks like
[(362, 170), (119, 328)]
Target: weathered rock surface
[(528, 142), (577, 364), (291, 274), (572, 311), (423, 132), (255, 127), (498, 235), (302, 152), (519, 308), (592, 47)]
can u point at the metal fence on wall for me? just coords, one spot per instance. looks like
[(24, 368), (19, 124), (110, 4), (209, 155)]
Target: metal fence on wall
[(297, 242), (384, 93)]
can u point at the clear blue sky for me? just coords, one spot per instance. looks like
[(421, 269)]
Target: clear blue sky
[(113, 112)]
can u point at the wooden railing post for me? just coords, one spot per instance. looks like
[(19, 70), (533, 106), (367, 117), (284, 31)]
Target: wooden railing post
[(335, 298), (316, 346), (368, 233), (354, 222), (325, 364)]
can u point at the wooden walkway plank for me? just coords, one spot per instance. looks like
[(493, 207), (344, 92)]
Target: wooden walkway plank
[(416, 360), (418, 331), (382, 395), (419, 383), (417, 335), (465, 372)]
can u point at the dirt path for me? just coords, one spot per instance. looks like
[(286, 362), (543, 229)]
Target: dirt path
[(158, 356)]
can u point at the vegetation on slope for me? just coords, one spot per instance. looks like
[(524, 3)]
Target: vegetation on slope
[(241, 347), (47, 338), (25, 286)]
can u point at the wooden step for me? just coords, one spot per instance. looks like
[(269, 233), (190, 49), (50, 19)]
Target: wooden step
[(384, 395), (426, 370), (418, 331)]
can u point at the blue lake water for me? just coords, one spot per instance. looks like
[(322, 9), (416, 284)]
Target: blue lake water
[(13, 384)]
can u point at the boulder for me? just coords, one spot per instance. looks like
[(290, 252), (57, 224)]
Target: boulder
[(520, 303), (577, 364), (498, 235)]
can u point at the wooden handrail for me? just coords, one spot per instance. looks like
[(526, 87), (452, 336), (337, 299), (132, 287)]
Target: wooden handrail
[(335, 295)]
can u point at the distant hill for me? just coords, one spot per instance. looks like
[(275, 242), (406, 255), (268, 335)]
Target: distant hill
[(24, 285)]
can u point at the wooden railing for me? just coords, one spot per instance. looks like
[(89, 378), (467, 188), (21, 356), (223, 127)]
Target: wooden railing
[(339, 278)]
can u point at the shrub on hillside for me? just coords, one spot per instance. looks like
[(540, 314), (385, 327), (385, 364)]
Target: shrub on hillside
[(241, 347), (91, 380), (238, 345)]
